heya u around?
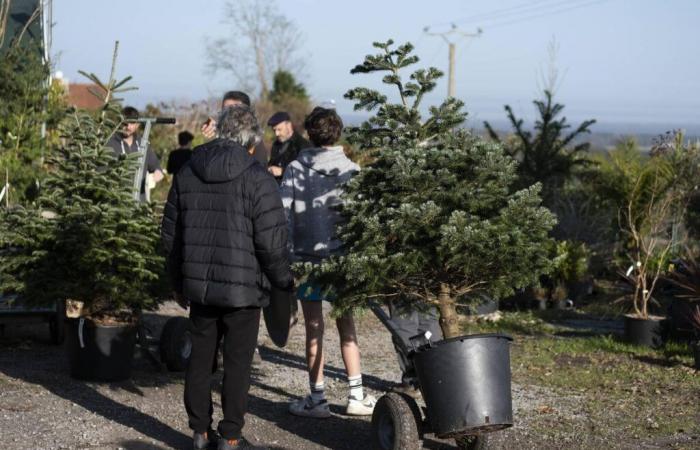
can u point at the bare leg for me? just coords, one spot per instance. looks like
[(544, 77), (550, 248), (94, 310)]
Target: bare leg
[(313, 321), (348, 345)]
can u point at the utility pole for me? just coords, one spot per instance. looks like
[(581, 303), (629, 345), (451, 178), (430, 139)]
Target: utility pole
[(451, 91)]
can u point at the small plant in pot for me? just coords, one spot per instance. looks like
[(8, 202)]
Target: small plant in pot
[(433, 217), (570, 266), (684, 280), (86, 241), (652, 222)]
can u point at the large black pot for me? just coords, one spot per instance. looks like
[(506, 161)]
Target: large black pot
[(644, 332), (98, 352), (465, 383)]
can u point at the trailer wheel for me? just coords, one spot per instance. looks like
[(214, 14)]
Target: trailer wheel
[(395, 423), (472, 442), (175, 344), (57, 324)]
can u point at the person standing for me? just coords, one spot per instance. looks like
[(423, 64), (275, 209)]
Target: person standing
[(182, 154), (233, 98), (225, 235), (287, 145), (311, 190), (126, 140)]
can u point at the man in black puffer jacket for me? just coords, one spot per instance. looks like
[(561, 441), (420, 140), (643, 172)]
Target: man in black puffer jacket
[(225, 234)]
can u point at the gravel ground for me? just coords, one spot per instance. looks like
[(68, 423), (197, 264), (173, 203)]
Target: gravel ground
[(41, 407)]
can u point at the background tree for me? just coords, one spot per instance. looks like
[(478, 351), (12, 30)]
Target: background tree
[(261, 42), (434, 217), (285, 86), (549, 155), (28, 103), (86, 239)]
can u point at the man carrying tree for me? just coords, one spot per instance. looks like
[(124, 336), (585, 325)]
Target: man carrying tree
[(286, 147), (233, 98), (126, 141)]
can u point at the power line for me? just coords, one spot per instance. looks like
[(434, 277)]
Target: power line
[(488, 15), (523, 11), (545, 14)]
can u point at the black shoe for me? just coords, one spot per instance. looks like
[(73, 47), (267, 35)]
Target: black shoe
[(238, 444), (202, 441)]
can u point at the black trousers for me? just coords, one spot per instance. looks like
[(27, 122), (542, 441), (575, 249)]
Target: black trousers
[(239, 327)]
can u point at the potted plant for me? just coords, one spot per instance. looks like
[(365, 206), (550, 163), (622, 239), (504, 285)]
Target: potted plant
[(652, 222), (88, 242), (570, 267), (434, 216), (684, 282)]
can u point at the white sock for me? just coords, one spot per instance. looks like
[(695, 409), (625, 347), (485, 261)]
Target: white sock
[(317, 392), (355, 384)]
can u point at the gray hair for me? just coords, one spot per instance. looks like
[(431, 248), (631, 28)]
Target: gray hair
[(238, 124)]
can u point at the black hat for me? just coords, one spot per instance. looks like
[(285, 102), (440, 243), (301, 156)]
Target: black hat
[(277, 118)]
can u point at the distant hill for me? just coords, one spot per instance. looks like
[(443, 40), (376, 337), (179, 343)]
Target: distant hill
[(604, 136)]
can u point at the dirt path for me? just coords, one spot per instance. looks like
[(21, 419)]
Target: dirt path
[(41, 407)]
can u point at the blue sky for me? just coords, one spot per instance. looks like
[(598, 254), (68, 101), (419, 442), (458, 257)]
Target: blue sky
[(622, 61)]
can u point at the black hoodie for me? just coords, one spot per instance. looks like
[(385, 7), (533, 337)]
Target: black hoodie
[(224, 229)]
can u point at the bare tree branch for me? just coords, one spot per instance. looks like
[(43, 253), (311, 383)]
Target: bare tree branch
[(261, 42)]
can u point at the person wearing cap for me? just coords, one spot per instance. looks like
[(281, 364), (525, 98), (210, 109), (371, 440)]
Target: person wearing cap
[(126, 141), (233, 98), (181, 155), (286, 147)]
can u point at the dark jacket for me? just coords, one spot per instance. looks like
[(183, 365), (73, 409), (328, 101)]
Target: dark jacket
[(283, 153), (119, 147), (224, 229), (177, 159)]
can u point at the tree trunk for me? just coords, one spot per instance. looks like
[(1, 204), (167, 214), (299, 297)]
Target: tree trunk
[(449, 319)]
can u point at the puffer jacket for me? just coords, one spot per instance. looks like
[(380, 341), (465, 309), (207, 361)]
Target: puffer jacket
[(224, 229)]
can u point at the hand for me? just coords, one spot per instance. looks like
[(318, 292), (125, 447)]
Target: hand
[(276, 171), (180, 299), (157, 176), (209, 128)]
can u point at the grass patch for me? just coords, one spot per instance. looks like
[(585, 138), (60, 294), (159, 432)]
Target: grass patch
[(623, 391)]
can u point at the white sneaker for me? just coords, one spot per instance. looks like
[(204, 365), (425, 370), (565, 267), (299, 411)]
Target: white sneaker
[(363, 407), (306, 407)]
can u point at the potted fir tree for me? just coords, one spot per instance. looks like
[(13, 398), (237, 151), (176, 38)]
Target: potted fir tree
[(88, 242), (432, 218)]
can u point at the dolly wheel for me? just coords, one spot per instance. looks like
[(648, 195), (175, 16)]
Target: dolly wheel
[(175, 344), (472, 442), (395, 423)]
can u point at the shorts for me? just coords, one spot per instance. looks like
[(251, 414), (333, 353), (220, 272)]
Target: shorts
[(310, 292)]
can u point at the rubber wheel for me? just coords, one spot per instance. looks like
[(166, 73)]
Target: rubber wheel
[(175, 344), (57, 324), (472, 442), (395, 423)]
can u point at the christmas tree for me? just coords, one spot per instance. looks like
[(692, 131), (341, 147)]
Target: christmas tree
[(87, 239), (434, 218)]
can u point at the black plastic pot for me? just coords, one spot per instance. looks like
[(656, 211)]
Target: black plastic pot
[(465, 383), (99, 353), (644, 332)]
